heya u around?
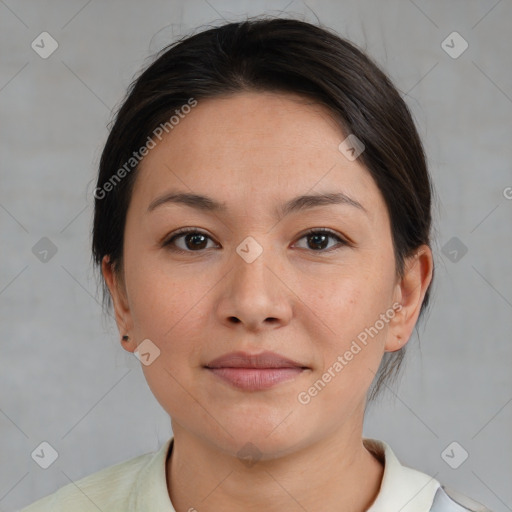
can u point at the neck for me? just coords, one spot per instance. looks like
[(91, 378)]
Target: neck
[(337, 472)]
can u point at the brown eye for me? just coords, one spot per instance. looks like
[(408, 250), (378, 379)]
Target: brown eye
[(191, 240), (195, 241), (318, 240)]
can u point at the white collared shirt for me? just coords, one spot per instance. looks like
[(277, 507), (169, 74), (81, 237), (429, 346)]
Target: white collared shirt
[(140, 484)]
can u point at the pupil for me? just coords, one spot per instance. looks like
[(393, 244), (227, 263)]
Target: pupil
[(324, 237), (197, 243)]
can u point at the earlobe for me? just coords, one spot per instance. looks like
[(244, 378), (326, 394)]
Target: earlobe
[(410, 292), (120, 303)]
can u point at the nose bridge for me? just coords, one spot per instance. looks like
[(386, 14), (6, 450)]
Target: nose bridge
[(251, 264), (254, 294), (251, 269)]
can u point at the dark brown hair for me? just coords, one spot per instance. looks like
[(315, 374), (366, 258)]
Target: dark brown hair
[(281, 55)]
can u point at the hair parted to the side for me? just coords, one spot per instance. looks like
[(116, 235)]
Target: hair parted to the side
[(280, 55)]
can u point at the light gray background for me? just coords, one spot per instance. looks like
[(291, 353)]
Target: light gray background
[(65, 377)]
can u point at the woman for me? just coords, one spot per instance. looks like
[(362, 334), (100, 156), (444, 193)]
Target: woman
[(262, 224)]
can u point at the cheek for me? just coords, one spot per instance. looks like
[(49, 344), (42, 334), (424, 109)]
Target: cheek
[(165, 310), (161, 303), (350, 350), (348, 328), (347, 301)]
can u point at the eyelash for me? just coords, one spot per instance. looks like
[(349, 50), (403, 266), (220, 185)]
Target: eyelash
[(317, 231)]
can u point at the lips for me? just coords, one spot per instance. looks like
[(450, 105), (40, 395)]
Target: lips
[(255, 372), (244, 360)]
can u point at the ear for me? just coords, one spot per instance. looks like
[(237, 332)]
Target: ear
[(121, 307), (410, 292)]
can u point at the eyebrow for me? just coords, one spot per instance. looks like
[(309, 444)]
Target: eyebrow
[(296, 204)]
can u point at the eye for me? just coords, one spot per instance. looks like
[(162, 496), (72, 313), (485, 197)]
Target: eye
[(193, 240), (319, 239)]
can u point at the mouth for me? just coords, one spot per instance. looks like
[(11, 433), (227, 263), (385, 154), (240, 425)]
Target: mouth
[(255, 372)]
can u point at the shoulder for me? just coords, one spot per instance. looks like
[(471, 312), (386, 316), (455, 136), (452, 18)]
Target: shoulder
[(103, 488), (112, 488), (448, 500)]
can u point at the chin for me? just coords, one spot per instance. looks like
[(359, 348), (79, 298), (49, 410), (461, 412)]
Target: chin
[(267, 438)]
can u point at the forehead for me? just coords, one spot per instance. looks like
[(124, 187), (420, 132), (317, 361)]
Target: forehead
[(255, 147)]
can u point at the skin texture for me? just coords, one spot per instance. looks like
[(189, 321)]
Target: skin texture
[(254, 151)]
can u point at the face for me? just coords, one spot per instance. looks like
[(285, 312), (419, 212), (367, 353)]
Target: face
[(261, 272)]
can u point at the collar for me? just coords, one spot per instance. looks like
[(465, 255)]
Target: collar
[(150, 489), (402, 489)]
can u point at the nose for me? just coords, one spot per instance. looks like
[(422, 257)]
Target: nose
[(255, 294)]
